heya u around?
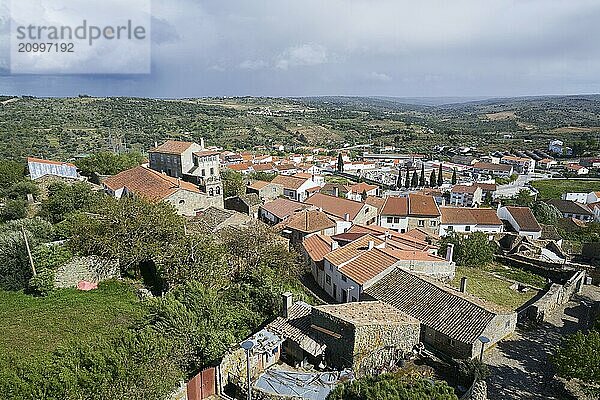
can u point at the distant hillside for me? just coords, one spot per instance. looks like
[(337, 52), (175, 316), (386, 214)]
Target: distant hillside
[(64, 128)]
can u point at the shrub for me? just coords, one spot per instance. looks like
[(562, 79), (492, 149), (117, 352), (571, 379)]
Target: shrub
[(13, 209), (42, 283)]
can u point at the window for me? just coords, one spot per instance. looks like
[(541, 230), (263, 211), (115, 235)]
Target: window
[(507, 324), (468, 228), (212, 171), (396, 220), (211, 192), (344, 278), (421, 223), (450, 228), (432, 223), (195, 161), (218, 189), (327, 279), (330, 267), (390, 220), (203, 172)]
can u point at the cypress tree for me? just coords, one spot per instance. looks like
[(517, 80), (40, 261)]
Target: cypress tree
[(432, 178), (440, 178), (399, 180), (454, 179), (415, 180), (422, 177), (340, 163), (407, 181)]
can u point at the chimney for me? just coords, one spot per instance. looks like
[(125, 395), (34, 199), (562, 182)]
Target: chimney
[(334, 245), (450, 252), (202, 143), (346, 217), (371, 244), (286, 304), (443, 201), (178, 182), (155, 143), (463, 284), (336, 192)]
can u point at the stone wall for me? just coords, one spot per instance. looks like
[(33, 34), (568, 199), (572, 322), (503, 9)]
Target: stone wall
[(364, 348), (555, 296), (91, 269), (478, 391)]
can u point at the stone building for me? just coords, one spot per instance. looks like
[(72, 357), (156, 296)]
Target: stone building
[(190, 162), (362, 336), (451, 320), (154, 186), (265, 190)]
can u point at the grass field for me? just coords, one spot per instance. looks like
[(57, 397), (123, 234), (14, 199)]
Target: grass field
[(35, 326), (554, 188), (482, 284)]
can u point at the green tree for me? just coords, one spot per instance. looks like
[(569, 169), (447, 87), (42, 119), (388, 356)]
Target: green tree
[(64, 200), (546, 213), (440, 177), (11, 172), (415, 180), (407, 180), (108, 163), (454, 178), (432, 179), (392, 386), (13, 209), (579, 357), (233, 183), (524, 198), (21, 189), (471, 251), (422, 176), (131, 230), (340, 163)]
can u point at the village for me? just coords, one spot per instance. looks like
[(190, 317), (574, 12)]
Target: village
[(413, 263)]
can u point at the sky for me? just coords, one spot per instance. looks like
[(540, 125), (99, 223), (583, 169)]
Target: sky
[(394, 48)]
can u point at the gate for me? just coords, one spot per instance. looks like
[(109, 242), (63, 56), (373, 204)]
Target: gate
[(202, 385)]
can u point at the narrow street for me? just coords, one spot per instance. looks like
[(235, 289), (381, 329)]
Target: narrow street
[(519, 366)]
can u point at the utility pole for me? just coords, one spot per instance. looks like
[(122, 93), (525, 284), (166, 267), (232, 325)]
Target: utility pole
[(28, 251)]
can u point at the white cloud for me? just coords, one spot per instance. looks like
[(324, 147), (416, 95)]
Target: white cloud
[(304, 55), (378, 76), (253, 64)]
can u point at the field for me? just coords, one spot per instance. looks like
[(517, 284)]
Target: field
[(35, 326), (554, 188), (482, 284)]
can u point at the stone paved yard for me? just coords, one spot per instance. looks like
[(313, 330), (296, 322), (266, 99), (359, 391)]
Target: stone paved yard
[(519, 366)]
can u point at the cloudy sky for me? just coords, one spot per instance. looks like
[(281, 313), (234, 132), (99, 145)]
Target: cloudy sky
[(350, 47)]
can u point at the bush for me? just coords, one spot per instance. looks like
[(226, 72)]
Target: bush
[(472, 370), (13, 209), (393, 386), (42, 283), (470, 251), (579, 357), (20, 190)]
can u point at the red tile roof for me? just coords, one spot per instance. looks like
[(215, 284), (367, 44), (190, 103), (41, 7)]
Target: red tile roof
[(524, 218), (395, 206), (335, 206), (469, 216), (425, 206), (308, 221), (148, 183), (362, 187), (171, 147), (283, 208), (317, 246), (290, 182)]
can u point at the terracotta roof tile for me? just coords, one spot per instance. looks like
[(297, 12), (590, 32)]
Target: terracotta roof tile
[(283, 208), (148, 183), (395, 206), (419, 205), (317, 246), (524, 218), (469, 216), (171, 147), (309, 221), (289, 182), (42, 161), (362, 187), (492, 167), (335, 206)]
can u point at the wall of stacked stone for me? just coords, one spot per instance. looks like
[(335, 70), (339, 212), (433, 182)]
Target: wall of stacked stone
[(91, 269), (478, 391), (377, 347), (556, 296)]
